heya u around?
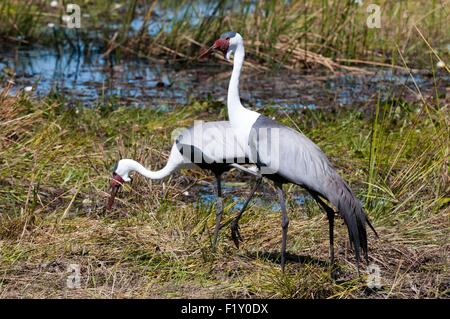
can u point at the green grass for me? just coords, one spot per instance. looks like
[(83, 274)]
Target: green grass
[(290, 34), (55, 165)]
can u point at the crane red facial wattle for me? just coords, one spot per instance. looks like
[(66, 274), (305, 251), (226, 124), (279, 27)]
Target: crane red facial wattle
[(117, 180), (220, 44)]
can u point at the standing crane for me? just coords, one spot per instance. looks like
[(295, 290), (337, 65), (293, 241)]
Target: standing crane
[(286, 156), (208, 145)]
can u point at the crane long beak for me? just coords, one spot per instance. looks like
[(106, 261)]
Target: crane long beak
[(207, 52), (116, 182), (220, 44)]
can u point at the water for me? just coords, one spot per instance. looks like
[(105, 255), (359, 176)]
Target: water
[(90, 78), (205, 195), (193, 12), (83, 75)]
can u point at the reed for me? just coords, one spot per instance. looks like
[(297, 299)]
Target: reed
[(288, 34)]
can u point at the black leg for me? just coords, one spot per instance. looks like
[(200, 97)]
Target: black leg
[(330, 214), (331, 226), (284, 223), (235, 233), (219, 210)]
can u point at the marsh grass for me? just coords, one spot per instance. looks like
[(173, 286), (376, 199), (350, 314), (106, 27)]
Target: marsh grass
[(54, 173), (56, 161), (287, 34)]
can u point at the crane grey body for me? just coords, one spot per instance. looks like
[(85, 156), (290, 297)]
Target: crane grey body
[(212, 146), (216, 149), (209, 145), (287, 156), (299, 161)]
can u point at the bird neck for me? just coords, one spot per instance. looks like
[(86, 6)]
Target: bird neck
[(234, 105), (160, 174)]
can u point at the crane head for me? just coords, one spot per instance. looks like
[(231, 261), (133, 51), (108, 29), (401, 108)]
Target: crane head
[(119, 177), (223, 44)]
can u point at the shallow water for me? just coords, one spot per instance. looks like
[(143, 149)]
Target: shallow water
[(85, 76), (205, 195)]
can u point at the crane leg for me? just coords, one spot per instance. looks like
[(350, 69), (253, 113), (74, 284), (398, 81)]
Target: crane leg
[(331, 227), (284, 223), (330, 214), (219, 210), (235, 233)]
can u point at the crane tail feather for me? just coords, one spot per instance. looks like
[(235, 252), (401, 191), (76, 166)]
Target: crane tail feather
[(351, 210)]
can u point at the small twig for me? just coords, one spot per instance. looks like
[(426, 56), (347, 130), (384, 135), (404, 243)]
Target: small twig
[(431, 48), (412, 77), (372, 63)]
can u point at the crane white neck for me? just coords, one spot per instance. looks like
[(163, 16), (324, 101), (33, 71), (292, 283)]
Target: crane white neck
[(127, 166), (233, 100), (240, 117)]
